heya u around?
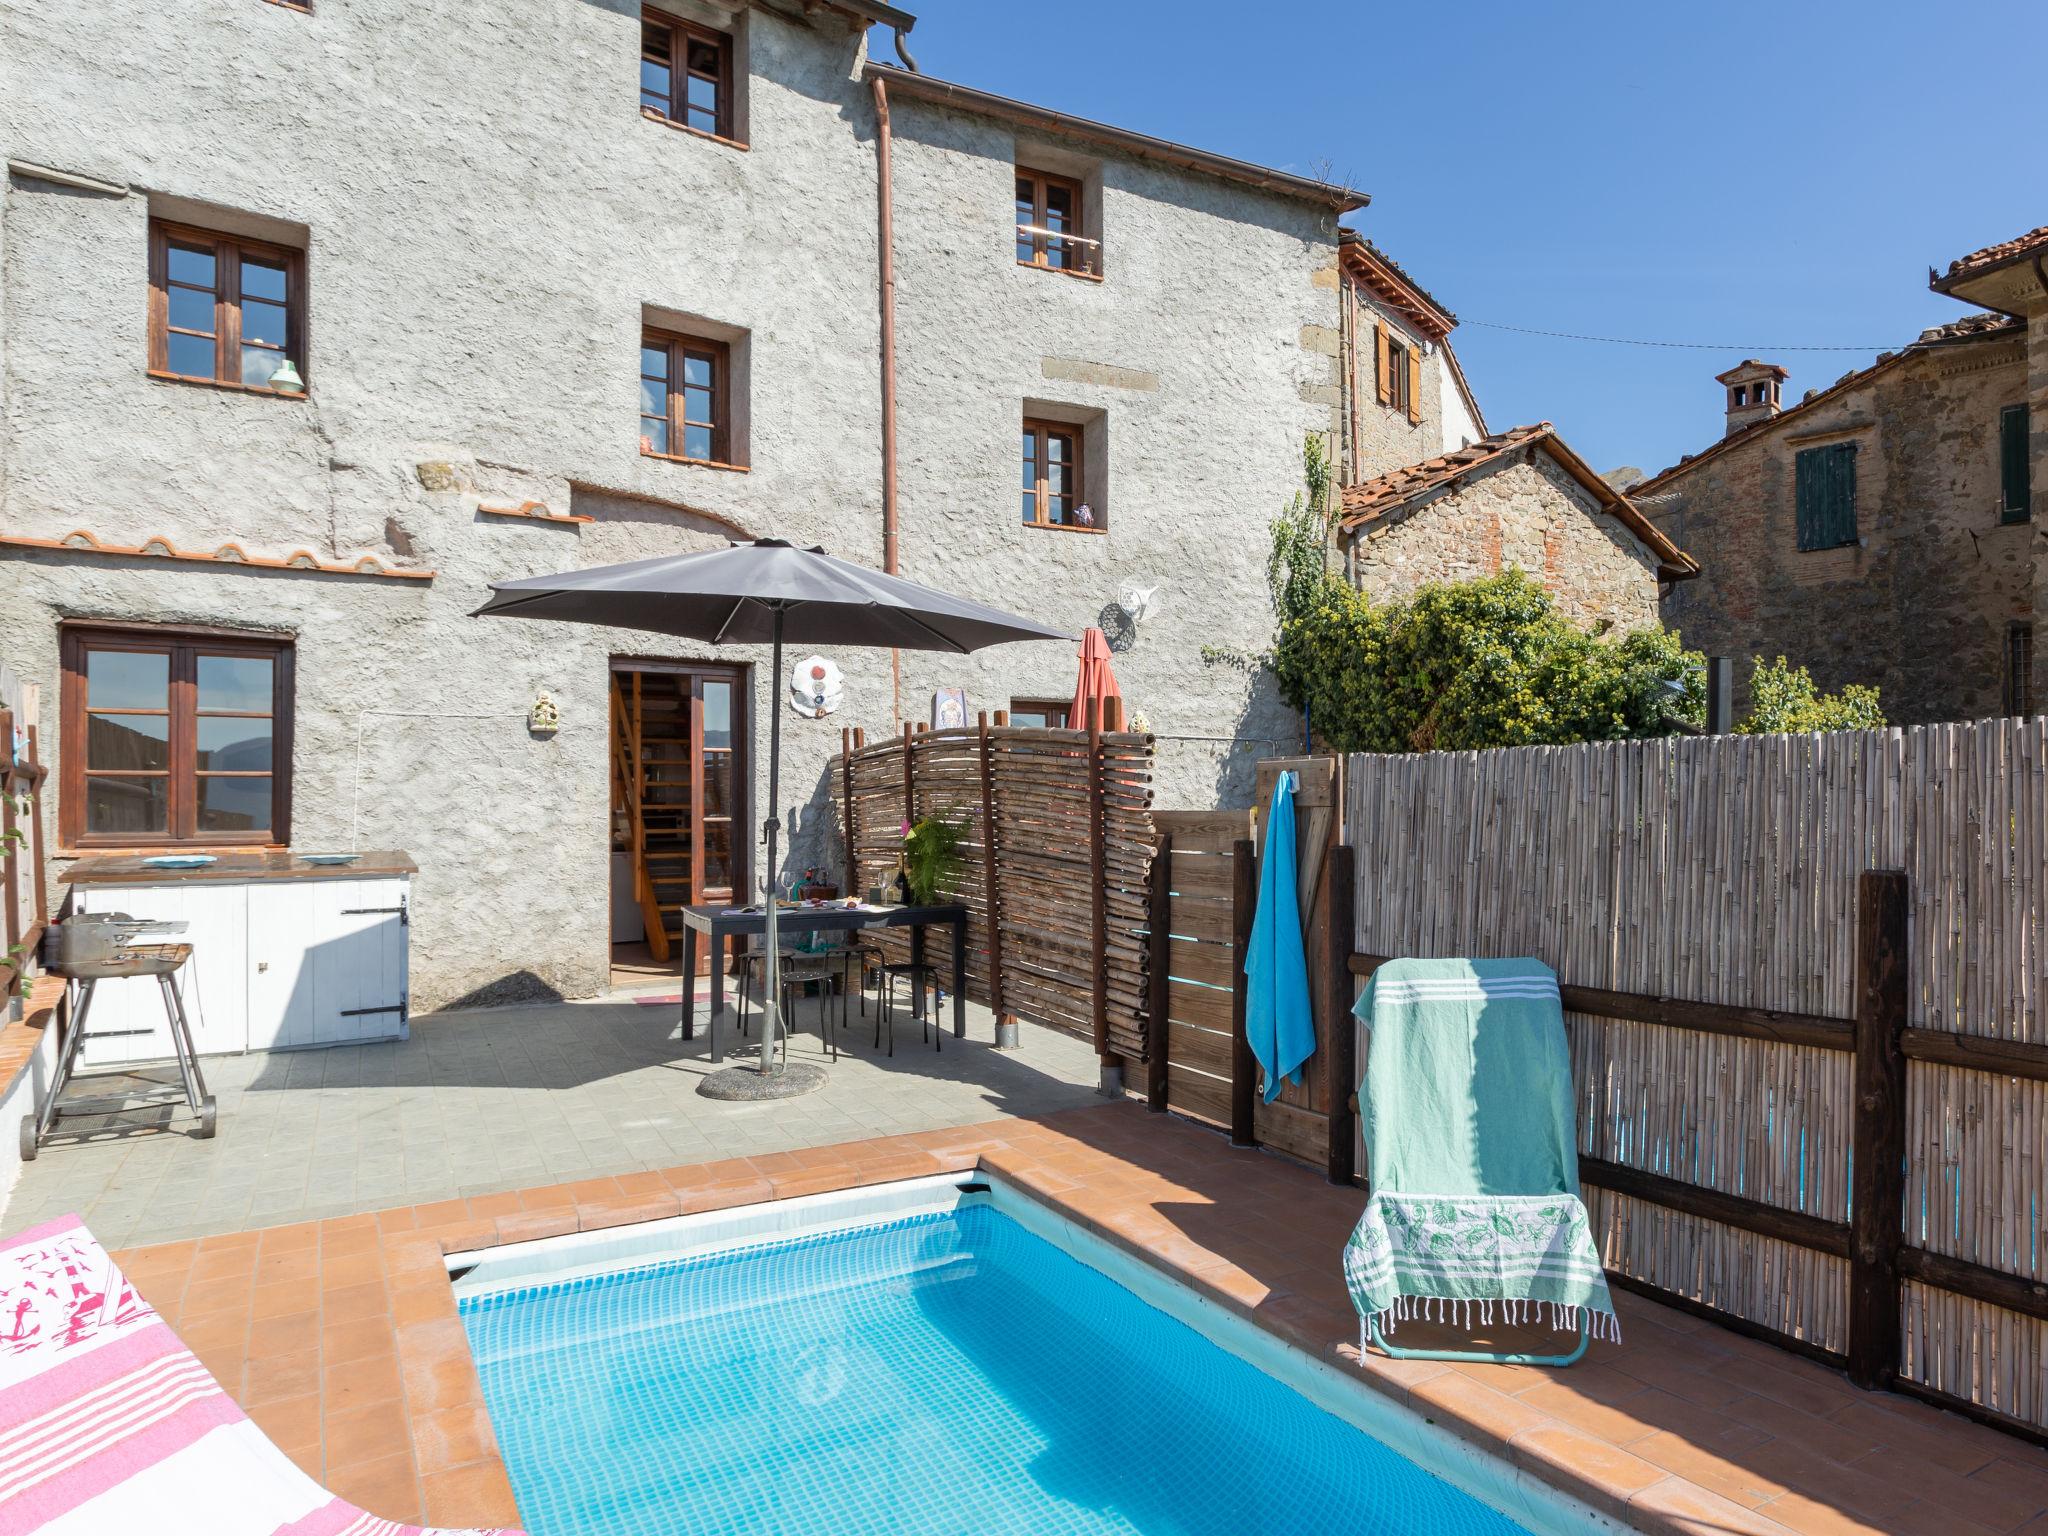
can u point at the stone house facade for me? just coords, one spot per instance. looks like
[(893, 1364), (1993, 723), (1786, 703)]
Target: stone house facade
[(1519, 498), (1878, 531), (1403, 395), (475, 286)]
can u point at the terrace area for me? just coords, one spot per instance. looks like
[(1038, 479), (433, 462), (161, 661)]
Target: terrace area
[(340, 1336)]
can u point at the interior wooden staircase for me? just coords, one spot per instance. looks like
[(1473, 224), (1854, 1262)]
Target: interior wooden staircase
[(651, 787)]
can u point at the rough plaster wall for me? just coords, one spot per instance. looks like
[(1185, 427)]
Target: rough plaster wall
[(1460, 426), (1208, 336), (1919, 607), (1527, 513), (478, 260)]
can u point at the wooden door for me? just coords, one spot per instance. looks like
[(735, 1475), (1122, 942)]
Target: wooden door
[(680, 787)]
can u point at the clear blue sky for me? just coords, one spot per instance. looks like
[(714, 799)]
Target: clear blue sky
[(1760, 173)]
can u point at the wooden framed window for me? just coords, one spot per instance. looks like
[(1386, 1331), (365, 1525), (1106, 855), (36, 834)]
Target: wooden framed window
[(686, 74), (685, 398), (1049, 232), (2015, 466), (1052, 477), (1044, 714), (1824, 492), (2019, 669), (175, 736), (224, 310)]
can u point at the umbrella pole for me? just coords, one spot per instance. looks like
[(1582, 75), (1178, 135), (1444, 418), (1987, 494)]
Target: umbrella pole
[(771, 1012)]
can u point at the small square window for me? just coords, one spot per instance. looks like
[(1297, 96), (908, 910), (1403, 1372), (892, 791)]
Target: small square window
[(1051, 482), (1043, 714), (685, 398), (686, 74), (226, 310), (1049, 225)]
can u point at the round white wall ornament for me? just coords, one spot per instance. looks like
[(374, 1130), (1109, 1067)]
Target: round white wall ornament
[(815, 687)]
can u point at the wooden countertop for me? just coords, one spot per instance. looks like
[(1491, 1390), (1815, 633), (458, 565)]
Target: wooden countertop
[(234, 868)]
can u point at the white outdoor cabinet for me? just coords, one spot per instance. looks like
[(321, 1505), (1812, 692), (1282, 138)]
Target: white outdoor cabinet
[(284, 953)]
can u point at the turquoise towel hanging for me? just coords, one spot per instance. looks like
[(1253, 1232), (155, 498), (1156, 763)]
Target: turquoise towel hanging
[(1277, 1020)]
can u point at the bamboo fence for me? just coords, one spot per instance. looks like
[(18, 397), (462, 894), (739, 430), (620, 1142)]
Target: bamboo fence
[(1726, 871), (1055, 862)]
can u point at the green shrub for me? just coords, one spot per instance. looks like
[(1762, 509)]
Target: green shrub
[(1783, 697), (1487, 663)]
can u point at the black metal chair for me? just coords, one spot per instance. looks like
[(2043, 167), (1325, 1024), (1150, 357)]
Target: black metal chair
[(920, 977)]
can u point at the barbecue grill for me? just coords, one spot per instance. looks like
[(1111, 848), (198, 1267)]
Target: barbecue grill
[(86, 949)]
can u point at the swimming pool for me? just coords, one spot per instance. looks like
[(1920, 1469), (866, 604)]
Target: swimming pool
[(924, 1359)]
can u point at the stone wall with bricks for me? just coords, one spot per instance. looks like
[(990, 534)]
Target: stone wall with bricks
[(1521, 510), (1922, 605)]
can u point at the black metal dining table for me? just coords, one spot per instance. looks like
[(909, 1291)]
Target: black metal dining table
[(715, 923)]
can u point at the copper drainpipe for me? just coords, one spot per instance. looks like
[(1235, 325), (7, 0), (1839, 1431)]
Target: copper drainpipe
[(888, 270)]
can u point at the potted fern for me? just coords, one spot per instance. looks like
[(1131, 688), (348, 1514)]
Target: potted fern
[(931, 857)]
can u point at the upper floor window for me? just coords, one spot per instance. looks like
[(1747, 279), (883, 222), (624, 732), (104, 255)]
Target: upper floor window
[(1824, 490), (175, 736), (226, 310), (1052, 476), (685, 398), (1398, 389), (2015, 465), (686, 74), (1049, 220)]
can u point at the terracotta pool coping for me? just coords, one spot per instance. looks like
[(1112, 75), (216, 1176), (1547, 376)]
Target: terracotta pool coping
[(341, 1339)]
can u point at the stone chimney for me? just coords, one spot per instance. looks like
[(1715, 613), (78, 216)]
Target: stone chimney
[(1753, 387)]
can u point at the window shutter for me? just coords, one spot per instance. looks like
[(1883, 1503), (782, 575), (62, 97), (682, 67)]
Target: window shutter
[(1379, 341), (1824, 481), (1414, 385), (2015, 473)]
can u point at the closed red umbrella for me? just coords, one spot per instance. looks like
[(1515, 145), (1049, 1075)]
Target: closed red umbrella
[(1096, 684)]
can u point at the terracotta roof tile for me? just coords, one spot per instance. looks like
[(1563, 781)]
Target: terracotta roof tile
[(231, 553), (1372, 502), (1370, 499), (1998, 255)]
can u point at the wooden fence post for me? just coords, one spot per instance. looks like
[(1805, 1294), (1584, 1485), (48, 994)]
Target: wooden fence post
[(1112, 1080), (1006, 1024), (1877, 1180), (909, 777), (1244, 1072), (1340, 1041), (1159, 960)]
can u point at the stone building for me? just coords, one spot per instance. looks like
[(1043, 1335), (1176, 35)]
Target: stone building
[(1404, 396), (1878, 531), (318, 318), (1519, 498)]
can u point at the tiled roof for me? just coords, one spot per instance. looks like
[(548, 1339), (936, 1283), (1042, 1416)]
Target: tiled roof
[(1969, 328), (160, 548), (1370, 499), (1374, 501), (1998, 255)]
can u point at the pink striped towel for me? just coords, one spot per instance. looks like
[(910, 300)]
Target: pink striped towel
[(109, 1424)]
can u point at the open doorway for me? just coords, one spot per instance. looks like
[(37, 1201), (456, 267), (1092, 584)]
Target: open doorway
[(679, 780)]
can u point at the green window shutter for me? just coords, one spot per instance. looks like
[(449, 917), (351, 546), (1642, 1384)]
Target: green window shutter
[(2015, 472), (1825, 495)]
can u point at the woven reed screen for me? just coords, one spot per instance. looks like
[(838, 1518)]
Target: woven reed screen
[(1040, 794), (1725, 870)]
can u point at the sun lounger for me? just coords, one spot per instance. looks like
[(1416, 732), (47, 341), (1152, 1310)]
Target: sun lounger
[(109, 1425), (1475, 1216)]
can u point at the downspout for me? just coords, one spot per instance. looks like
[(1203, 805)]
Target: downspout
[(886, 236)]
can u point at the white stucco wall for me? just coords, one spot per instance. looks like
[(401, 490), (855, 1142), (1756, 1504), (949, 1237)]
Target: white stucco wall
[(485, 216)]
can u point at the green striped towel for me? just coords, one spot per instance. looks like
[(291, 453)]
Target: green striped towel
[(1467, 1102)]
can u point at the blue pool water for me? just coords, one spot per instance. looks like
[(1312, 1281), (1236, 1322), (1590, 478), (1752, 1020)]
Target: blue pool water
[(946, 1373)]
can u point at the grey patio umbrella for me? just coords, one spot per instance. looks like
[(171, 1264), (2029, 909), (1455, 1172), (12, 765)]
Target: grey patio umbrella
[(765, 591)]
